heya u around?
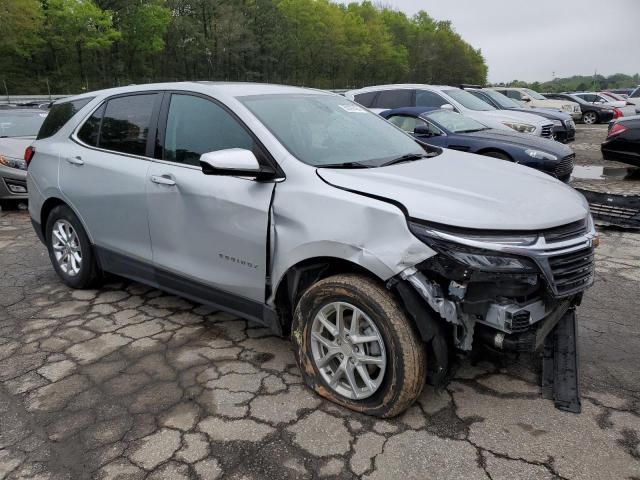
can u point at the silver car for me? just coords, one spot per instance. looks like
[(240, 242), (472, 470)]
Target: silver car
[(305, 212), (18, 128)]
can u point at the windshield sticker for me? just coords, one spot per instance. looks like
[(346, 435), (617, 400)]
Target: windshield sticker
[(352, 108)]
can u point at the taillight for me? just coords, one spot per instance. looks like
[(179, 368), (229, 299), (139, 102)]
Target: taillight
[(617, 129), (28, 154), (617, 113)]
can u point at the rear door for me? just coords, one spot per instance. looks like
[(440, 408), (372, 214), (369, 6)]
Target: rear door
[(103, 175), (209, 233)]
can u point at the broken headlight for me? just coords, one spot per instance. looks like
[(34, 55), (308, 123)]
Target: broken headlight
[(478, 258)]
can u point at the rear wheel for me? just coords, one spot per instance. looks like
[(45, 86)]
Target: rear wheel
[(70, 250), (356, 347), (589, 118)]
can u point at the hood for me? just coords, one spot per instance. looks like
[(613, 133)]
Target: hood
[(469, 191), (515, 116), (523, 140), (550, 113), (15, 147)]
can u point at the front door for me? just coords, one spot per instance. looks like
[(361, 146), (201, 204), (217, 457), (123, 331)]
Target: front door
[(208, 233)]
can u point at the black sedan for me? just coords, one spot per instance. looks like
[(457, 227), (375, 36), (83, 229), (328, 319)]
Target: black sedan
[(623, 141), (591, 112), (444, 128), (564, 128)]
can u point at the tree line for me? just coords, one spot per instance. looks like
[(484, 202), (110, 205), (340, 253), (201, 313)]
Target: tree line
[(69, 46), (579, 83)]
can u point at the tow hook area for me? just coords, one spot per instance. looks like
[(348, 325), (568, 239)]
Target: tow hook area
[(432, 294)]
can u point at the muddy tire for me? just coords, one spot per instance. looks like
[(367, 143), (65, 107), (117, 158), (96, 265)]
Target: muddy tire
[(377, 365), (70, 250)]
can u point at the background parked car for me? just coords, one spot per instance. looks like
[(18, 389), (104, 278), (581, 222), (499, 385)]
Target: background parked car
[(623, 141), (385, 97), (634, 97), (622, 108), (451, 130), (529, 97), (591, 112), (564, 128), (18, 128), (624, 92)]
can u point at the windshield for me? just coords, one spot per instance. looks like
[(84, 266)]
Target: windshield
[(502, 100), (456, 123), (328, 130), (467, 100), (20, 124), (534, 95)]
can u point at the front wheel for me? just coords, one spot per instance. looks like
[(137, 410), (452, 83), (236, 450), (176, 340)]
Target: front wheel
[(70, 250), (355, 346), (589, 118)]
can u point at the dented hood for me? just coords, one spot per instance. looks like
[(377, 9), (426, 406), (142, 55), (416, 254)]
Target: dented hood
[(469, 191)]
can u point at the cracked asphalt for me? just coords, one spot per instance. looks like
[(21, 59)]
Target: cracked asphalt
[(126, 382)]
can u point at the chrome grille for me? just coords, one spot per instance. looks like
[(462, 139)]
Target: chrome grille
[(614, 211), (565, 166), (547, 131), (572, 272)]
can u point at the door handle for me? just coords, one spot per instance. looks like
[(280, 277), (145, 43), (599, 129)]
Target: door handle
[(162, 180), (77, 160)]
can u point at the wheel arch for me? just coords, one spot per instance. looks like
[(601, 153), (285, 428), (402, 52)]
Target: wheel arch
[(300, 276), (486, 150), (51, 203)]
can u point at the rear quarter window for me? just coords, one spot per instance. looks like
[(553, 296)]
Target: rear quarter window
[(59, 115)]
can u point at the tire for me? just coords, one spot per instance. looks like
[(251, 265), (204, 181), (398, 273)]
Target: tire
[(498, 155), (64, 253), (394, 386), (589, 118)]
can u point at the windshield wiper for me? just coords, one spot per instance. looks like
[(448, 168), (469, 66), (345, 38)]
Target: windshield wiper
[(344, 165), (409, 157)]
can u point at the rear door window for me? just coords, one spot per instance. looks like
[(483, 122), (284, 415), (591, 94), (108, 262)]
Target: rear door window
[(126, 123), (394, 98), (365, 99), (90, 131), (59, 115)]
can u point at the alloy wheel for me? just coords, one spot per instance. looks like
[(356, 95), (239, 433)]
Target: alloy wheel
[(348, 350), (66, 247), (589, 118)]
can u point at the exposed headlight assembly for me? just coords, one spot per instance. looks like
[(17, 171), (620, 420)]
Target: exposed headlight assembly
[(478, 258), (520, 127), (540, 155), (13, 162), (557, 123)]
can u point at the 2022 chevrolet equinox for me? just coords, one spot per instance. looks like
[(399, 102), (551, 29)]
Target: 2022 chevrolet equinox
[(305, 212)]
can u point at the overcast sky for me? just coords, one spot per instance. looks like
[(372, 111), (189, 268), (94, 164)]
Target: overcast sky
[(530, 40)]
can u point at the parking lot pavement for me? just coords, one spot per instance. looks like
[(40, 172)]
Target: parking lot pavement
[(127, 382)]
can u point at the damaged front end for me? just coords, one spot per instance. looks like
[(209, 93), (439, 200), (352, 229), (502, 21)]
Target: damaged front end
[(505, 289)]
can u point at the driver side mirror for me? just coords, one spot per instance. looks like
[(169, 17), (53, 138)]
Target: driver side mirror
[(422, 131), (235, 162), (447, 106), (526, 98)]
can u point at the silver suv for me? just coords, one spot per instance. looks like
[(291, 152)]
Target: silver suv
[(303, 211)]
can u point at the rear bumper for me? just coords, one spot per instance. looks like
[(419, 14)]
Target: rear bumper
[(13, 184)]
